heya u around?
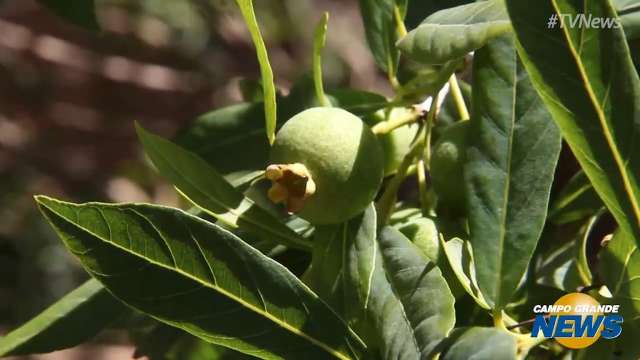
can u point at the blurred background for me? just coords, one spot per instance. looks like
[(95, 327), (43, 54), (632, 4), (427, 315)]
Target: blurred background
[(68, 99)]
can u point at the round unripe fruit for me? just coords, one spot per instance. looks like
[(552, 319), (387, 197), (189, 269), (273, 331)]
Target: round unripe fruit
[(342, 157), (447, 163), (395, 144)]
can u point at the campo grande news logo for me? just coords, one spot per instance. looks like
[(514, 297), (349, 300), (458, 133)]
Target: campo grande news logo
[(577, 320)]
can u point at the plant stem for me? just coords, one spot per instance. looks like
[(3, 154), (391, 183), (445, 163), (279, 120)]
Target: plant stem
[(388, 198), (458, 98), (424, 163), (388, 126), (498, 320), (401, 29)]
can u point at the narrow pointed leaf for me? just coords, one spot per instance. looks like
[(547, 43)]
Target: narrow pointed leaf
[(380, 28), (268, 86), (196, 276), (406, 302), (452, 33), (587, 80), (205, 188), (72, 320), (509, 169)]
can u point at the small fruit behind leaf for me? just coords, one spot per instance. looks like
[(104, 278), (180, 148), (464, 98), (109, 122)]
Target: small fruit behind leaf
[(447, 164), (327, 165)]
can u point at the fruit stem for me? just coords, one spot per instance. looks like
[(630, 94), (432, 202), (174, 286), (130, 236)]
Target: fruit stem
[(424, 163), (385, 127), (458, 98), (388, 198)]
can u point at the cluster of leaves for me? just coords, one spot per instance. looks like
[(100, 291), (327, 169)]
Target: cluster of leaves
[(411, 277)]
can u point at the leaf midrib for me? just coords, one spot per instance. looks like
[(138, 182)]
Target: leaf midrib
[(222, 291), (602, 119)]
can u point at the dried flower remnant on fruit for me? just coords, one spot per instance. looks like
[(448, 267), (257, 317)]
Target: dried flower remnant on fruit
[(291, 185)]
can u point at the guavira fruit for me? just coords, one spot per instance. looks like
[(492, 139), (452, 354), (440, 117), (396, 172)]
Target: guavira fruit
[(447, 163), (327, 165), (395, 144)]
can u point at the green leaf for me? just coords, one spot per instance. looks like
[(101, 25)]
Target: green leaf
[(381, 30), (358, 102), (576, 201), (80, 13), (452, 33), (619, 265), (204, 187), (587, 80), (230, 139), (629, 13), (460, 256), (426, 80), (406, 302), (196, 276), (325, 278), (72, 320), (508, 171), (481, 343), (566, 267), (319, 41), (268, 86)]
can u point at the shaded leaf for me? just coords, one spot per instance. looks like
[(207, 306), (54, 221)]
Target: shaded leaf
[(587, 80), (230, 139), (509, 169), (481, 343), (426, 80), (576, 201), (358, 102), (72, 320), (204, 187), (452, 33), (406, 302), (155, 258)]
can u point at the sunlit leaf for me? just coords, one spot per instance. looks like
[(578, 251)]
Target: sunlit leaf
[(196, 276), (587, 79), (509, 169), (452, 33)]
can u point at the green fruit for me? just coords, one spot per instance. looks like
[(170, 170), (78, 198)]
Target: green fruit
[(447, 164), (395, 144), (342, 156)]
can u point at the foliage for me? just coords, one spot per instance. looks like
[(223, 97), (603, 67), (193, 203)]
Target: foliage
[(450, 270)]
